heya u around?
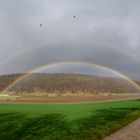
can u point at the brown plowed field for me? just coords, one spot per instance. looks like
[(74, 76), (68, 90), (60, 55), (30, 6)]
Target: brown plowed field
[(68, 99)]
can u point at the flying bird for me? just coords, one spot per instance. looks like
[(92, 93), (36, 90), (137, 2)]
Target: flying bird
[(74, 16), (40, 25)]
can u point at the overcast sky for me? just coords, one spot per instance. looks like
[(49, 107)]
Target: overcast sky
[(105, 32)]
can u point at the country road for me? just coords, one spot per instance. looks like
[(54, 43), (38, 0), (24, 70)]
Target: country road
[(130, 132)]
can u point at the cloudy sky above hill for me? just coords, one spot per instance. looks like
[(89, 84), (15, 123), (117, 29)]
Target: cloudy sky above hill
[(105, 32)]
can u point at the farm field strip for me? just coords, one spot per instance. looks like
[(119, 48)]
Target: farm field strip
[(71, 110), (70, 121), (69, 99)]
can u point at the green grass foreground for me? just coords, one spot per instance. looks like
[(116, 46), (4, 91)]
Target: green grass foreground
[(75, 121)]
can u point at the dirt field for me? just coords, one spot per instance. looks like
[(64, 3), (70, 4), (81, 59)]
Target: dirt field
[(46, 99), (130, 132)]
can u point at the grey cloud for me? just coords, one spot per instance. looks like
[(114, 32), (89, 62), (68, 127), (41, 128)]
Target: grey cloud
[(99, 29)]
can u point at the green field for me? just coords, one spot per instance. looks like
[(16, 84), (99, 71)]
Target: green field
[(69, 121)]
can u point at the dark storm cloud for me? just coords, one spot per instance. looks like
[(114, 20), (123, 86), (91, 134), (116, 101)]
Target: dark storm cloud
[(77, 68), (81, 52), (99, 29)]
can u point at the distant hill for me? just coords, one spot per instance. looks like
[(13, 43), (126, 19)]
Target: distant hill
[(137, 82), (60, 83), (5, 80)]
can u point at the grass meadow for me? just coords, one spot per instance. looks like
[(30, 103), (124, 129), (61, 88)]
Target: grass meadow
[(67, 121)]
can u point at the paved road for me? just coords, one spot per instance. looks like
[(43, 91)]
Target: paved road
[(130, 132)]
